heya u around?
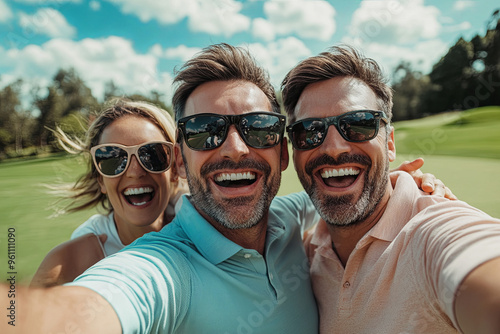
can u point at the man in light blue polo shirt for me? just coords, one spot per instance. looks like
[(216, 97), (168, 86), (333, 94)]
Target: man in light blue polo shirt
[(232, 260)]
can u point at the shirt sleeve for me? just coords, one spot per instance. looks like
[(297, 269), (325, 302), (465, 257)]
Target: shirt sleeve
[(301, 204), (84, 228), (148, 290), (453, 240)]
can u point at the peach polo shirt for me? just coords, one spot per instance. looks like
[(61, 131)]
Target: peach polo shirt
[(403, 274)]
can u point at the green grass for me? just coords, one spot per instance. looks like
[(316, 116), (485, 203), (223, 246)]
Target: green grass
[(25, 207), (469, 169), (474, 133)]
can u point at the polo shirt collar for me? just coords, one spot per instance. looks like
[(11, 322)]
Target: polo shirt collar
[(210, 243), (399, 209)]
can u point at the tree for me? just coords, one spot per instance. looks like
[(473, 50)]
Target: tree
[(448, 78), (67, 95), (409, 86), (15, 122)]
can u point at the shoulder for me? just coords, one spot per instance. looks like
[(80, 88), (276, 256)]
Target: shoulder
[(97, 224), (296, 207), (68, 260)]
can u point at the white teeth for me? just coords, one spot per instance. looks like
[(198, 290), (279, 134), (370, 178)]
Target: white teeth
[(339, 172), (235, 176), (137, 191)]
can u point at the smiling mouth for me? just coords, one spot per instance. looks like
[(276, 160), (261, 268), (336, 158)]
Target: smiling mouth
[(339, 177), (235, 180), (139, 196)]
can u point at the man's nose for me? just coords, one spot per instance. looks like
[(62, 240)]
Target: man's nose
[(234, 147)]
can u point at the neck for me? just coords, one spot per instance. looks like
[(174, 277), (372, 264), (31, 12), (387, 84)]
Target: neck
[(128, 233), (345, 238), (249, 238)]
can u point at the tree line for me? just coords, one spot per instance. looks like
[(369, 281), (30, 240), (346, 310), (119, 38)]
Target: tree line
[(467, 76)]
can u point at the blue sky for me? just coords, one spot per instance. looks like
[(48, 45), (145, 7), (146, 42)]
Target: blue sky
[(137, 44)]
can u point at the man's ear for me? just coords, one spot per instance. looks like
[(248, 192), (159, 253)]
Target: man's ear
[(391, 145), (285, 157), (179, 161), (101, 184)]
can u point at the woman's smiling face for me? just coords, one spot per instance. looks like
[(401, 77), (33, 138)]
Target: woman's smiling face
[(138, 197)]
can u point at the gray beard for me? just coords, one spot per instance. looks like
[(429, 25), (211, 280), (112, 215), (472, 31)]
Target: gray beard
[(234, 213), (345, 210)]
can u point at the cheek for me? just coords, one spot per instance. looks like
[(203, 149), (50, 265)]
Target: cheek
[(109, 186), (164, 182), (102, 185), (299, 160)]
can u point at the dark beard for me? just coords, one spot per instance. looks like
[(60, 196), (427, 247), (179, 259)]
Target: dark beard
[(233, 213)]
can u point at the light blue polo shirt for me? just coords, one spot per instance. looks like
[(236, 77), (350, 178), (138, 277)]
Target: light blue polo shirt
[(188, 278)]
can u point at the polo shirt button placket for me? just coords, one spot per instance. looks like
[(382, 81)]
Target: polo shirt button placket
[(347, 284)]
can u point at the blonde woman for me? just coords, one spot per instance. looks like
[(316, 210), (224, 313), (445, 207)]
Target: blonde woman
[(130, 175)]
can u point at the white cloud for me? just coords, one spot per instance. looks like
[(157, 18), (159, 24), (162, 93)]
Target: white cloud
[(307, 19), (422, 55), (97, 61), (213, 17), (389, 21), (47, 21), (219, 17), (95, 5), (462, 5), (181, 52), (280, 56), (458, 27), (5, 12), (263, 29), (48, 2)]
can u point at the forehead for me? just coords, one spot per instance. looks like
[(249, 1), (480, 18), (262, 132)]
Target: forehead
[(334, 97), (227, 97), (131, 130)]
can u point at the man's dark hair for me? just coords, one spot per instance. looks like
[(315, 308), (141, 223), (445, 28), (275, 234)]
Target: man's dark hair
[(338, 61)]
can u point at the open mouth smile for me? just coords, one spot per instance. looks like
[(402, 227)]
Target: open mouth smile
[(339, 177), (235, 180), (139, 196)]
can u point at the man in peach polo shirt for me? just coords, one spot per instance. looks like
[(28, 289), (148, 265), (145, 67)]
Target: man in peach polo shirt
[(386, 258)]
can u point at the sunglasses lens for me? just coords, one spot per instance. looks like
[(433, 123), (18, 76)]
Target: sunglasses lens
[(260, 130), (155, 157), (308, 134), (359, 127), (111, 160), (204, 132)]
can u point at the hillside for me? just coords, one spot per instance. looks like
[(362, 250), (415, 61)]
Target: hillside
[(471, 133)]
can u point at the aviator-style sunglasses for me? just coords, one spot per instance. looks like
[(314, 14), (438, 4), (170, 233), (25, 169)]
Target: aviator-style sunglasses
[(354, 126), (112, 160), (207, 131)]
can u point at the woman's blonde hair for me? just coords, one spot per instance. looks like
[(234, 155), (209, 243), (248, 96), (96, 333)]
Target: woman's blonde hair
[(85, 192)]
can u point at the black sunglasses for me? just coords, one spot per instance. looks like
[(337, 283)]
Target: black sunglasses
[(207, 131), (112, 160), (354, 126)]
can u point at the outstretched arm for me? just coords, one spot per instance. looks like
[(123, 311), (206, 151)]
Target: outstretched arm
[(68, 260), (477, 304), (61, 309)]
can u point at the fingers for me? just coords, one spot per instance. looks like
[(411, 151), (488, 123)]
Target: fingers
[(429, 183), (449, 195), (411, 166), (439, 188)]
